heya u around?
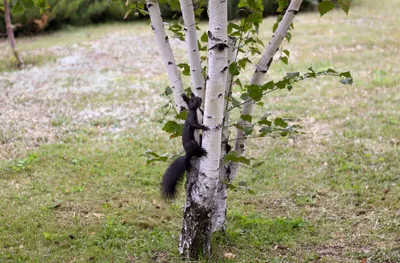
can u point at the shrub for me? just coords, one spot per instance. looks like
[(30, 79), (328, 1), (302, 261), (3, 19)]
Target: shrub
[(83, 12)]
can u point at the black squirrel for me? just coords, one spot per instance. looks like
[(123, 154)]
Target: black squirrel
[(176, 171)]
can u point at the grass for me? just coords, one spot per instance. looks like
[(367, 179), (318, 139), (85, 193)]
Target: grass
[(10, 63), (330, 195)]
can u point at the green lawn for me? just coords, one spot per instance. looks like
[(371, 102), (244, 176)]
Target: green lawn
[(82, 193)]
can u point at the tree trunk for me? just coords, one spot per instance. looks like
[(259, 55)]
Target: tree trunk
[(10, 34), (166, 53), (196, 74), (224, 174), (199, 208), (228, 173), (261, 70)]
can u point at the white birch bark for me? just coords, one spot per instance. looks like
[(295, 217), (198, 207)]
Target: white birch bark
[(197, 78), (262, 68), (219, 216), (197, 223), (168, 58), (196, 75)]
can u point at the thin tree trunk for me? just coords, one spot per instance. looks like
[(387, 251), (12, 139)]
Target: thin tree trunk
[(196, 74), (10, 34), (224, 174), (262, 68), (173, 72), (199, 208)]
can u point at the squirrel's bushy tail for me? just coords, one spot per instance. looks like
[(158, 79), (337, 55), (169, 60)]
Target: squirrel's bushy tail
[(173, 176)]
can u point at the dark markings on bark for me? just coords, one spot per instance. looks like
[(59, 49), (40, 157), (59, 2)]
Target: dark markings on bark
[(294, 11), (228, 147), (149, 5), (209, 117), (208, 77), (262, 70), (241, 146), (152, 27), (210, 36), (166, 38), (170, 63), (224, 69), (194, 50), (220, 95), (199, 88), (269, 63)]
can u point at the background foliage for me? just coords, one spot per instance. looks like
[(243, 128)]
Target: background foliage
[(84, 12)]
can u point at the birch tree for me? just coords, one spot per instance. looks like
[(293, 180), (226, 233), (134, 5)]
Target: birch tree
[(228, 45)]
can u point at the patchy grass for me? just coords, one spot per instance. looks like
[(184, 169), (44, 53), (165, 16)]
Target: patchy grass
[(10, 63), (84, 194)]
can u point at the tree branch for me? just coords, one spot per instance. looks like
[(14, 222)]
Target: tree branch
[(197, 78), (173, 72), (262, 68)]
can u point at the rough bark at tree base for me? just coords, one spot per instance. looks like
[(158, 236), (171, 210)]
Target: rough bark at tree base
[(195, 238)]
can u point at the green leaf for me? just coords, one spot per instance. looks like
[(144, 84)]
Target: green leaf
[(346, 74), (268, 85), (282, 4), (153, 157), (17, 8), (287, 52), (246, 118), (232, 157), (204, 37), (325, 6), (42, 4), (185, 67), (173, 128), (288, 36), (127, 13), (265, 130), (242, 62), (264, 122), (168, 91), (281, 84), (345, 5), (28, 4), (274, 27), (284, 60), (261, 104), (255, 92), (280, 122), (181, 115), (233, 69)]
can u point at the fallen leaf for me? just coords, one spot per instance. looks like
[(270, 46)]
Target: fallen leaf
[(229, 255), (98, 216)]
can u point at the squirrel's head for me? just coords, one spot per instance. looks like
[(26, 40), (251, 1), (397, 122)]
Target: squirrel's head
[(194, 102)]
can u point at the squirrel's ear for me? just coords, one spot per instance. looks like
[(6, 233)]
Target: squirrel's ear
[(185, 98), (192, 95)]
